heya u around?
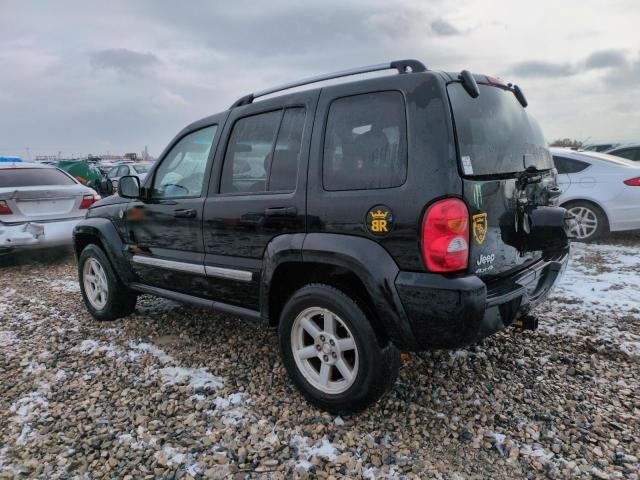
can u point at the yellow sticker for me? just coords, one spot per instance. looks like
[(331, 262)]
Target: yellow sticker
[(480, 226), (379, 220)]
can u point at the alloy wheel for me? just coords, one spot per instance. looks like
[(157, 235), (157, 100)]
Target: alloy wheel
[(586, 222), (324, 350), (95, 283)]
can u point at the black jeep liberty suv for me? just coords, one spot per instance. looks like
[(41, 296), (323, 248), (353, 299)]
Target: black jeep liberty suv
[(404, 212)]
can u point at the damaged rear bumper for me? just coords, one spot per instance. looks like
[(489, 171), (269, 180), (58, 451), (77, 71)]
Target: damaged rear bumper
[(454, 312), (37, 234)]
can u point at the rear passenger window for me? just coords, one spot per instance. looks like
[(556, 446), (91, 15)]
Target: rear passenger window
[(365, 142), (263, 153), (284, 166), (568, 165)]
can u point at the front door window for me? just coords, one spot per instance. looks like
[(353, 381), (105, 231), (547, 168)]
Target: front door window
[(181, 174)]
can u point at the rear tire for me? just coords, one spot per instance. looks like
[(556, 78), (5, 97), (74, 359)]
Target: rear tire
[(591, 220), (331, 351), (104, 295)]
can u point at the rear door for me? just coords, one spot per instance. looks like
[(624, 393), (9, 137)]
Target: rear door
[(497, 142), (257, 192), (165, 227)]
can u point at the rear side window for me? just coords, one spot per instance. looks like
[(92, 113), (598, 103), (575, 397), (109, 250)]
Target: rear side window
[(33, 177), (365, 142), (568, 165), (263, 152)]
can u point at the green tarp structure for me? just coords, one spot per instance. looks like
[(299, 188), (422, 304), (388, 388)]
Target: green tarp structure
[(86, 173)]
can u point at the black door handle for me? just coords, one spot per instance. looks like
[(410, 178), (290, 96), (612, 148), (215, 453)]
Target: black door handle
[(185, 213), (281, 212)]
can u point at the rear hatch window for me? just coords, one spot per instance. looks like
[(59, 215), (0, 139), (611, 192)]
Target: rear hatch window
[(497, 141), (33, 177), (495, 134)]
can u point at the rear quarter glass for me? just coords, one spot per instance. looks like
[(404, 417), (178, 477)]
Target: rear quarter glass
[(495, 134)]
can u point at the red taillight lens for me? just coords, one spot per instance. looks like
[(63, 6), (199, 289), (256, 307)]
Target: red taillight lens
[(4, 208), (89, 200), (445, 236), (633, 182)]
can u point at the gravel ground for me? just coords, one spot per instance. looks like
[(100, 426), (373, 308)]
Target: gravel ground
[(175, 392)]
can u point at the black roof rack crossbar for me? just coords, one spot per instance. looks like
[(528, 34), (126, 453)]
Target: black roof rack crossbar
[(403, 66)]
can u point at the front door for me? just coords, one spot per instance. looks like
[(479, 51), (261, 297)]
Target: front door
[(165, 228), (258, 192)]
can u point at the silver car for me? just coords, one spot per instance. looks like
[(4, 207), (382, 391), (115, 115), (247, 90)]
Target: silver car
[(39, 206), (600, 190), (136, 169)]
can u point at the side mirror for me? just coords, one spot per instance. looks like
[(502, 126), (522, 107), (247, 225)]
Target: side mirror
[(129, 187), (106, 187)]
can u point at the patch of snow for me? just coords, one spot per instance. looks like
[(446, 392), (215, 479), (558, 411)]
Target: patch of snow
[(7, 292), (598, 272), (7, 337), (194, 377), (194, 470), (539, 453), (233, 399), (65, 284), (499, 441), (90, 346), (86, 346), (26, 409), (631, 348), (149, 348), (305, 453), (172, 456), (35, 368)]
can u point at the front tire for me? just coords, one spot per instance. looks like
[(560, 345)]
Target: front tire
[(591, 221), (104, 295), (331, 351)]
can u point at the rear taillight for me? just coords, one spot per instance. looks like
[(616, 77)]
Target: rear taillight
[(4, 208), (633, 182), (445, 236), (88, 200)]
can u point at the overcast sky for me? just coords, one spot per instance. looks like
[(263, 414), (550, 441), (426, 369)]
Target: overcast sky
[(80, 77)]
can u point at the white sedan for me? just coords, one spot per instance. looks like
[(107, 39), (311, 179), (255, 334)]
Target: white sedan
[(39, 206), (600, 190)]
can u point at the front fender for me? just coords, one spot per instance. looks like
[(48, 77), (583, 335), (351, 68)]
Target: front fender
[(109, 238)]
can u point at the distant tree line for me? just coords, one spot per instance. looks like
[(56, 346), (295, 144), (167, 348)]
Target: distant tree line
[(566, 142)]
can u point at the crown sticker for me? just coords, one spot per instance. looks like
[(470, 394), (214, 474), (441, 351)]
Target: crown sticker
[(379, 220)]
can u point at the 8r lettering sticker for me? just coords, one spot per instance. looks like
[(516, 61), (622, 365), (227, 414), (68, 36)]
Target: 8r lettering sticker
[(379, 220)]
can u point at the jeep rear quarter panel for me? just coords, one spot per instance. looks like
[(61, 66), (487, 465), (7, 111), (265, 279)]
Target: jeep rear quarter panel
[(431, 168)]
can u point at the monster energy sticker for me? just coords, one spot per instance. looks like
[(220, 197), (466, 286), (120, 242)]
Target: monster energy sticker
[(477, 195)]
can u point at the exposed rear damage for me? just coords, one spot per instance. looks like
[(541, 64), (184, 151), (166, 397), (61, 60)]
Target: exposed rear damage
[(39, 206)]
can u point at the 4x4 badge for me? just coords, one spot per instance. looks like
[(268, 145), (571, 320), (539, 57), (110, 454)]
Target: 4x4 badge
[(480, 225), (379, 220)]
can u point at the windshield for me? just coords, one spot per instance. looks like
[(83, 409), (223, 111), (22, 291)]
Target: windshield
[(495, 133), (33, 177), (142, 167)]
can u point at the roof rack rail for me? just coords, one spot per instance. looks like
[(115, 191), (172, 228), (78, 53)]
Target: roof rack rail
[(403, 66)]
